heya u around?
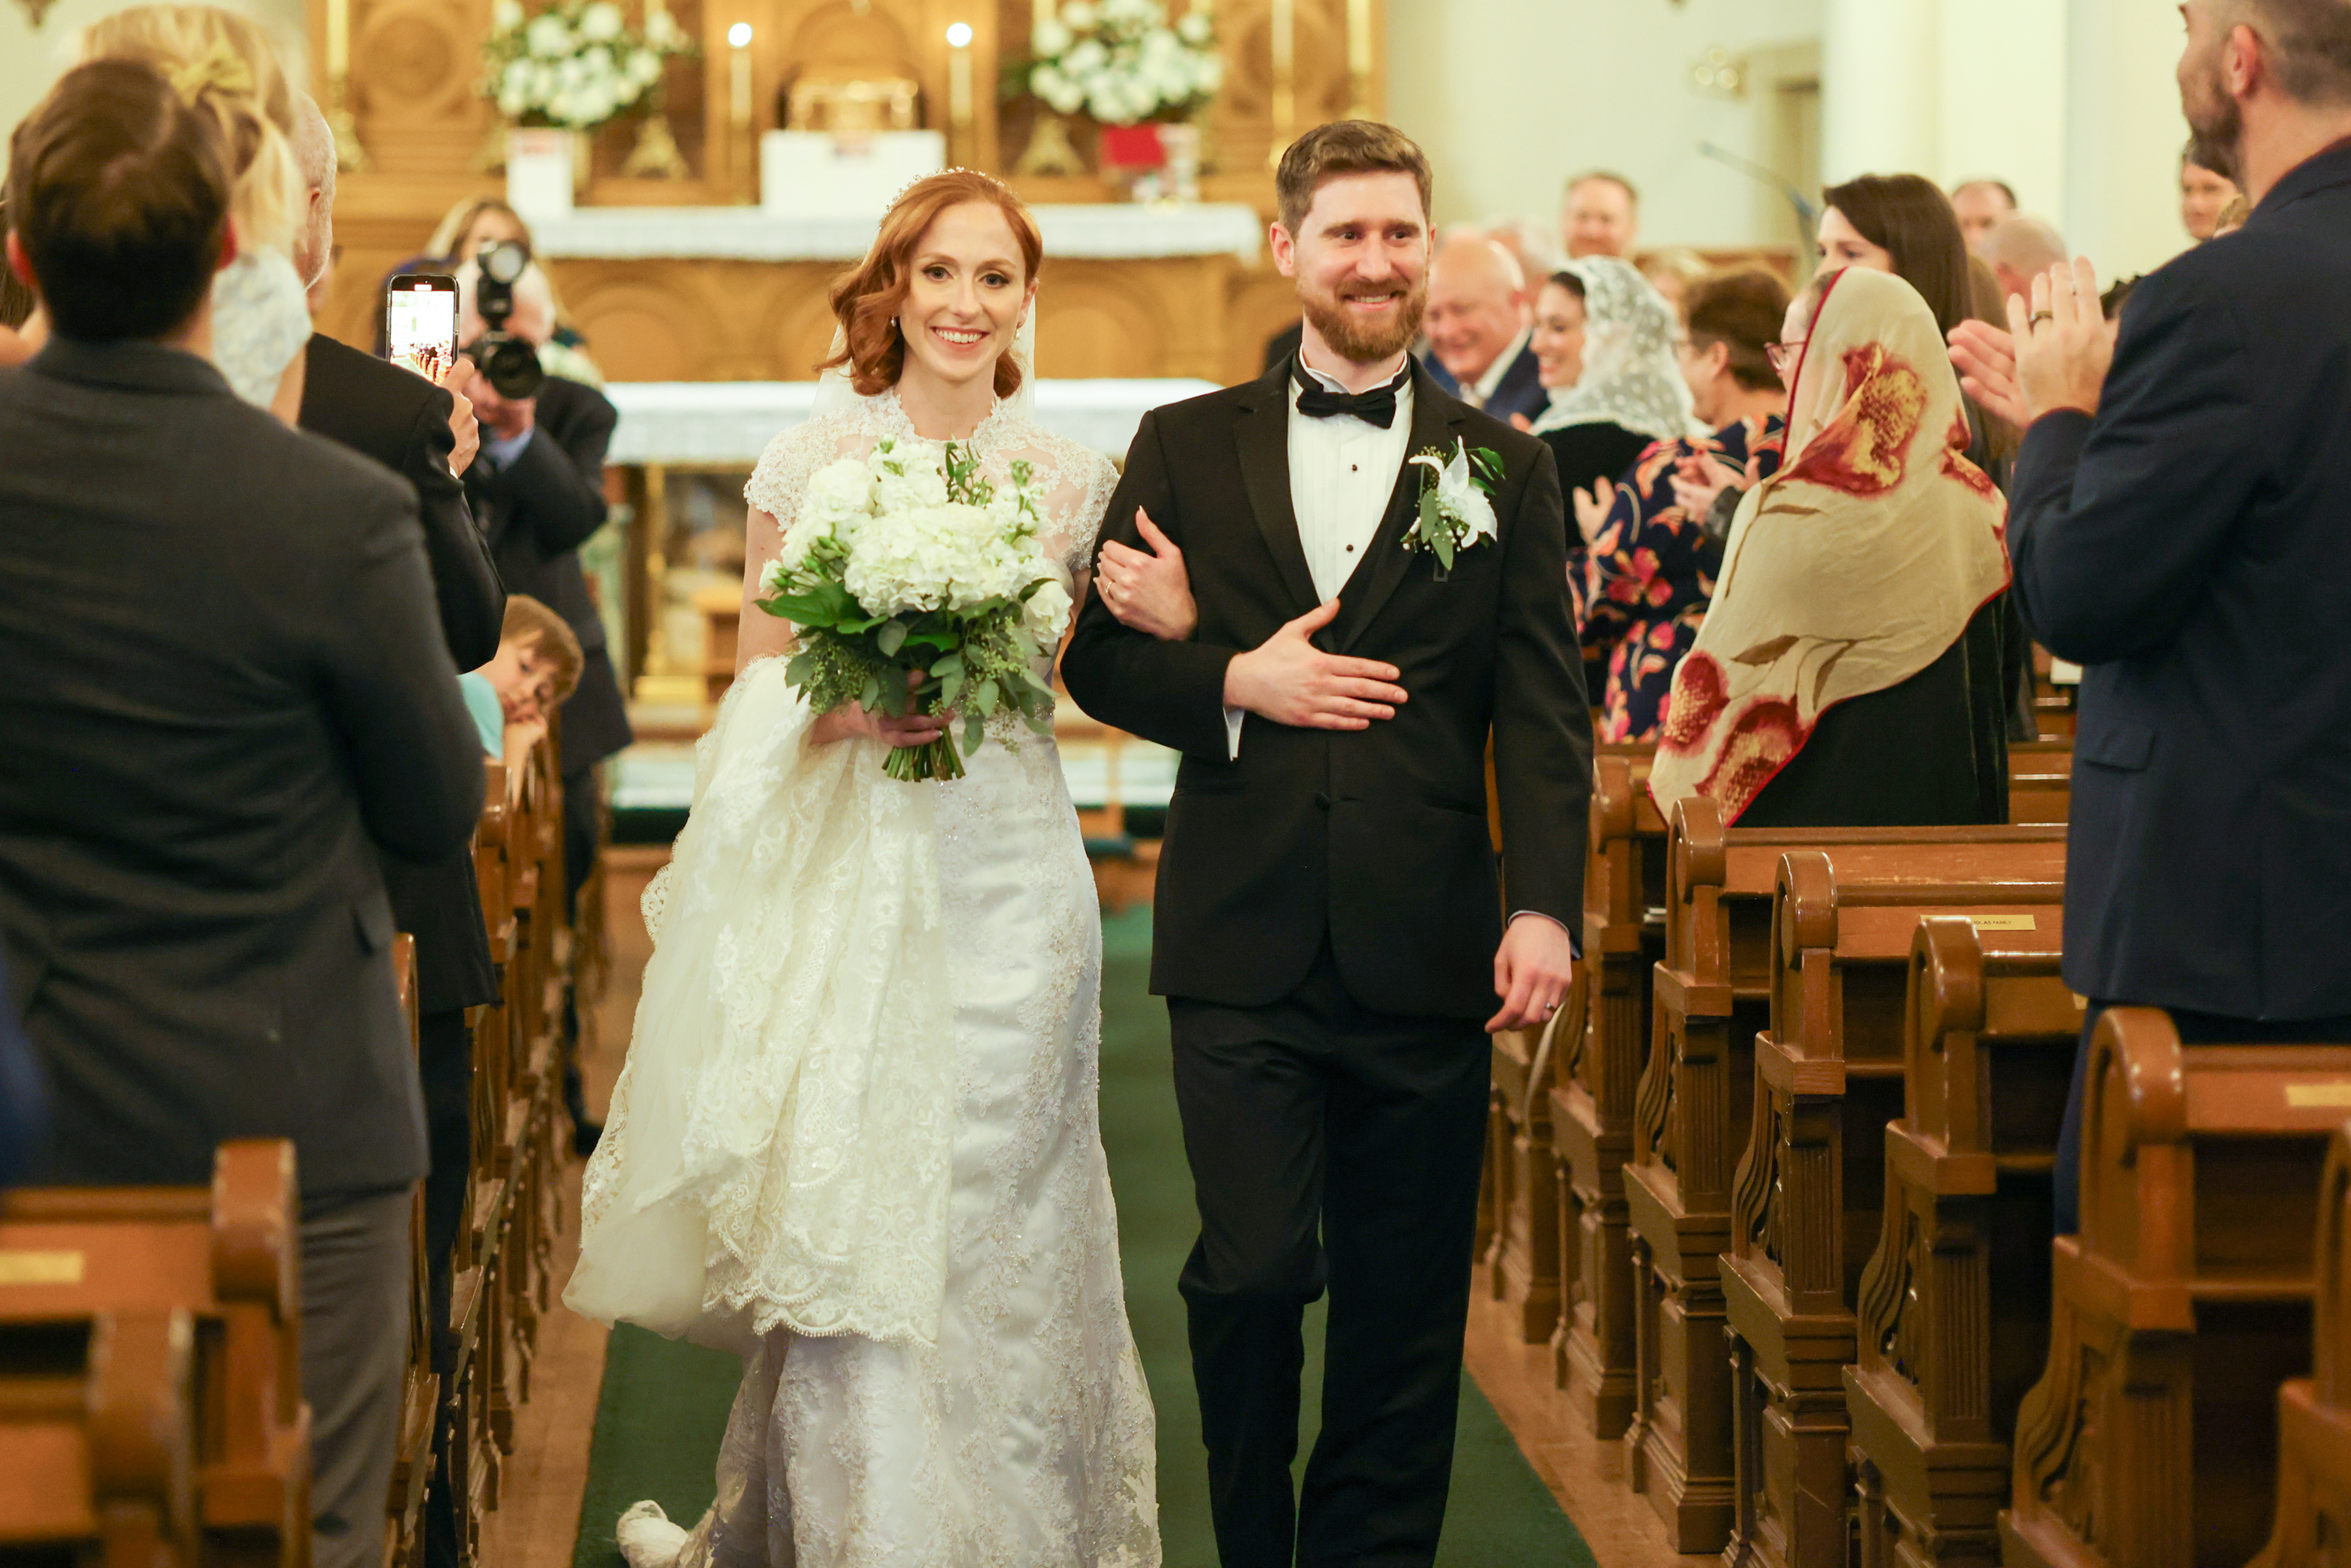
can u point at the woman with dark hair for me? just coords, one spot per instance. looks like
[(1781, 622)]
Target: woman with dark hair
[(856, 1139), (1650, 572), (1627, 393), (1847, 671)]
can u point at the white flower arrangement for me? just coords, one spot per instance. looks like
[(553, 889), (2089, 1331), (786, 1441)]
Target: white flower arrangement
[(1122, 62), (907, 561), (574, 64)]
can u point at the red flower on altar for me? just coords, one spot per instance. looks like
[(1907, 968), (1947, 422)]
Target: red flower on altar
[(1699, 693), (1865, 450), (1765, 734)]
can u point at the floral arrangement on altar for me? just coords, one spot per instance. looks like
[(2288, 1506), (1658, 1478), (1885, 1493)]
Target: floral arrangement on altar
[(576, 64), (1122, 62), (904, 563)]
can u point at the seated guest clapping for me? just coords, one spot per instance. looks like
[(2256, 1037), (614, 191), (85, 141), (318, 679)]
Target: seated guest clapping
[(222, 682), (1477, 329), (1847, 672), (222, 66), (1651, 569)]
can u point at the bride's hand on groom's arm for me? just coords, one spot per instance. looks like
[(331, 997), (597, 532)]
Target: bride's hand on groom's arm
[(1533, 970), (1148, 593), (1289, 680), (849, 722)]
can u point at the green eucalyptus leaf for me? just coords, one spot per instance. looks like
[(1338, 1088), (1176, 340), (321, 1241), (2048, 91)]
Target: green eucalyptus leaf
[(891, 637)]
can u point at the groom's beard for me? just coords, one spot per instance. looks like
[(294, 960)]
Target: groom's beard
[(2216, 124), (1367, 342)]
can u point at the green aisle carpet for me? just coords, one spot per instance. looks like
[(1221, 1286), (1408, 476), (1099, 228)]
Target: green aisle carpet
[(663, 1405)]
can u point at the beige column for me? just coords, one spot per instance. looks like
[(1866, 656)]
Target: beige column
[(2123, 134), (1881, 88)]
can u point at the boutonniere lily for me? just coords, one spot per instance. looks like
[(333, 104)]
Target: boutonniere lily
[(1456, 507)]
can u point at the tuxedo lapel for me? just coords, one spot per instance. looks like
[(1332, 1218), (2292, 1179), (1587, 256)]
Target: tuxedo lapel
[(1434, 415), (1262, 435)]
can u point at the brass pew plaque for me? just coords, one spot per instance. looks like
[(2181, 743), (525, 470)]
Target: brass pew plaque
[(2318, 1096), (30, 1268), (2003, 921)]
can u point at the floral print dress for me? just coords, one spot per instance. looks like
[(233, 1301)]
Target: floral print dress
[(1647, 580)]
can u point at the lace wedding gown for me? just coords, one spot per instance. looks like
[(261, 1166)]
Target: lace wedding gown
[(1013, 1427)]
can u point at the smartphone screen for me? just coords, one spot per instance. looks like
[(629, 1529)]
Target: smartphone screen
[(420, 318)]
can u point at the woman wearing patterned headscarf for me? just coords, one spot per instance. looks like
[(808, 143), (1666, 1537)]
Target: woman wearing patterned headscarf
[(1630, 392), (1847, 674)]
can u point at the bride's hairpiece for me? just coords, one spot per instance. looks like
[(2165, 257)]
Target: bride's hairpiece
[(935, 174)]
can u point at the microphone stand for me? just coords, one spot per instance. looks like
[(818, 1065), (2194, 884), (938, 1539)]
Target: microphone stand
[(1807, 214)]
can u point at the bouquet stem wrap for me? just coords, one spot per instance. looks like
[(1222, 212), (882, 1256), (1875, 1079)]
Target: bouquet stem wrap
[(780, 1148)]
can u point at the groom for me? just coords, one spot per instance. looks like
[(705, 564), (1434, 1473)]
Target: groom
[(1330, 934)]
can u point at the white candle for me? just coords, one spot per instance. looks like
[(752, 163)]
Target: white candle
[(1042, 11), (738, 38), (339, 39), (959, 74), (1285, 78)]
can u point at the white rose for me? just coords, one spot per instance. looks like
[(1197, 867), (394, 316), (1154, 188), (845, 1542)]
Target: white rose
[(1049, 38), (1067, 99), (548, 37), (661, 30), (512, 102), (506, 15), (1077, 16), (1086, 58), (1196, 28), (601, 21), (644, 68), (1047, 612)]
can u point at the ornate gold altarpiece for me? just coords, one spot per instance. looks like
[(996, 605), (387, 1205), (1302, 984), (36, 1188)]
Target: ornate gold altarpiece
[(421, 130)]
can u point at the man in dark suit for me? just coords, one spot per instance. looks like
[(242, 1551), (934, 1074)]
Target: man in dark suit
[(1480, 334), (2182, 508), (1331, 931), (426, 434), (224, 682)]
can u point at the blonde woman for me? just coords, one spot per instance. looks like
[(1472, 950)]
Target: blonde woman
[(222, 66)]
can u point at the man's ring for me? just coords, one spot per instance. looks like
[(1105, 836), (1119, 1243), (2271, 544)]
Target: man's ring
[(2040, 316)]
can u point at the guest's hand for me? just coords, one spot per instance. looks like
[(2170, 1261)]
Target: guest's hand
[(1287, 679), (1701, 477), (1533, 968), (1985, 358), (851, 721), (1149, 593), (2062, 344), (1520, 421), (463, 424), (1592, 509)]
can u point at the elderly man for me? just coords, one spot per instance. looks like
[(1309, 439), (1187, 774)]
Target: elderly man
[(2019, 248), (1601, 216), (2180, 506), (1981, 204), (1478, 330)]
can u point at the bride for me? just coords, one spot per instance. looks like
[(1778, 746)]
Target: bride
[(857, 1137)]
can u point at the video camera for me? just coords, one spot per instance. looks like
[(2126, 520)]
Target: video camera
[(510, 364)]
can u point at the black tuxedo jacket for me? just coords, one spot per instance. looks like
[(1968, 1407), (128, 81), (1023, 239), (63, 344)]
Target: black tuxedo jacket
[(402, 421), (2190, 547), (1521, 390), (223, 682), (536, 513), (1376, 837)]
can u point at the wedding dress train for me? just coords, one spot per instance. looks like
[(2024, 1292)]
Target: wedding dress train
[(1010, 1427)]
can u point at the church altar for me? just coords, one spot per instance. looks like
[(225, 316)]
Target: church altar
[(1097, 231)]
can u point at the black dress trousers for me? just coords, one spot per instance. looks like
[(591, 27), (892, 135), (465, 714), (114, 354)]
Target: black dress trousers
[(1330, 1145)]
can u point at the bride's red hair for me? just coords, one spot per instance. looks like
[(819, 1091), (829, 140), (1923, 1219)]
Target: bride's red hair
[(866, 298)]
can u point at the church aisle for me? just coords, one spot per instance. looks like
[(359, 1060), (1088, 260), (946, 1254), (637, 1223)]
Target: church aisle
[(605, 1426)]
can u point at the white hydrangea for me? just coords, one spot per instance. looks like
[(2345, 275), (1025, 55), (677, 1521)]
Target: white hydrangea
[(601, 21)]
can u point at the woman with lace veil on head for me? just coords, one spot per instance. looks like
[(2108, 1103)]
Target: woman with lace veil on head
[(222, 65), (857, 1138)]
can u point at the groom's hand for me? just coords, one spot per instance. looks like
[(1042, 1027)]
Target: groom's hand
[(1289, 680), (1533, 970)]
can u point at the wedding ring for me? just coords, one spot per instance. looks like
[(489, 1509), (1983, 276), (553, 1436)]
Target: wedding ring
[(2040, 316)]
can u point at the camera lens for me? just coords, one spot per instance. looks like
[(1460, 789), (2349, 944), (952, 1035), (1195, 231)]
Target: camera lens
[(513, 368)]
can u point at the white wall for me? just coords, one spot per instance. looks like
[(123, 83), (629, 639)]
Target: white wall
[(1510, 97), (31, 59)]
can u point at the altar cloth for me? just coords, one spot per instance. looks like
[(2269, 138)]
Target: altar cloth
[(1092, 231), (731, 422)]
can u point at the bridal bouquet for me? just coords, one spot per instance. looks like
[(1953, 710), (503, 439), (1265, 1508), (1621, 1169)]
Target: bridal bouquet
[(907, 561)]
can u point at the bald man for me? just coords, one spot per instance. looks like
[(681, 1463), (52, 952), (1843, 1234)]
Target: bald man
[(1478, 328), (2019, 248)]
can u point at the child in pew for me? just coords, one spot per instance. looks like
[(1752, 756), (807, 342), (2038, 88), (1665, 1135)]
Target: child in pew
[(536, 666)]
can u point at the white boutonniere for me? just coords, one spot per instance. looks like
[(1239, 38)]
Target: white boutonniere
[(1456, 507)]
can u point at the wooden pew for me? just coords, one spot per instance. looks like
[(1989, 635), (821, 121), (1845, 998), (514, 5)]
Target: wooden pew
[(224, 1260), (1527, 1249), (1804, 1205), (100, 1428), (2181, 1306), (2040, 781), (1591, 1087), (2312, 1517), (1691, 1109), (1942, 1356), (420, 1394)]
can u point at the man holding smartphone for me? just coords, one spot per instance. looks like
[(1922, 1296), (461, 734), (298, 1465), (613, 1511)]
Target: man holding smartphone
[(425, 432)]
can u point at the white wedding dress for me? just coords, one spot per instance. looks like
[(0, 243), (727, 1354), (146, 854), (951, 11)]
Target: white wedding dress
[(938, 1372)]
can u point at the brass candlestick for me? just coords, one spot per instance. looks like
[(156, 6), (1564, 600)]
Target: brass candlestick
[(351, 153)]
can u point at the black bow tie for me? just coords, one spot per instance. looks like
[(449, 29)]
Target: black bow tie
[(1377, 406)]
